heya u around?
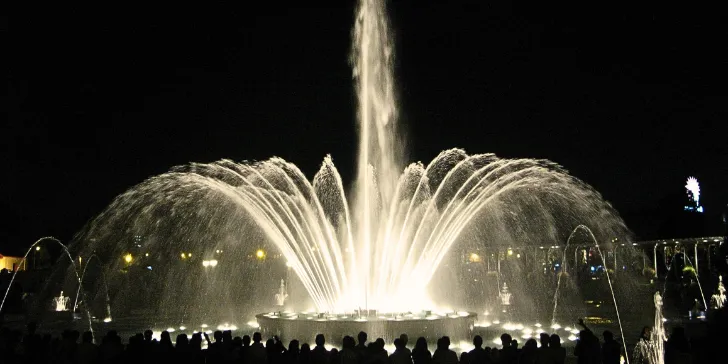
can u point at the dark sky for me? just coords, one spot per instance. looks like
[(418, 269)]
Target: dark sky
[(631, 100)]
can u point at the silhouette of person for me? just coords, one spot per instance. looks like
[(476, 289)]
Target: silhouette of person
[(291, 355), (362, 348), (88, 353), (529, 353), (610, 349), (543, 353), (558, 353), (443, 354), (509, 353), (478, 354), (305, 356), (256, 353), (401, 354), (420, 353), (319, 354)]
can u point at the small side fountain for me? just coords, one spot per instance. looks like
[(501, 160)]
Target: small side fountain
[(281, 295), (717, 300), (658, 337), (505, 295), (60, 303)]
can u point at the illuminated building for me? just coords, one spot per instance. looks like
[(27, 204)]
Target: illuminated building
[(12, 263)]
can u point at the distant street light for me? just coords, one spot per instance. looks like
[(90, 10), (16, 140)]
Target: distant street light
[(128, 258)]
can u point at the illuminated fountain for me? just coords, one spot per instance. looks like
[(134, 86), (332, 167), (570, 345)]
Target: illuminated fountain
[(60, 303), (505, 296), (658, 336), (375, 253), (281, 295), (717, 301)]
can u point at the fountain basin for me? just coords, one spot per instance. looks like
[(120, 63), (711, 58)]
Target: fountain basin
[(305, 326)]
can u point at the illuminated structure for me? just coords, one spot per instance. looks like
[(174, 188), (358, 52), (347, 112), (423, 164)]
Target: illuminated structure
[(693, 189), (12, 263), (60, 303)]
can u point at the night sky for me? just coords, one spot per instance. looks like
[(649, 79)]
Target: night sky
[(631, 100)]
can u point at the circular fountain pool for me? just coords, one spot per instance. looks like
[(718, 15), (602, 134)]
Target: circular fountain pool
[(306, 325)]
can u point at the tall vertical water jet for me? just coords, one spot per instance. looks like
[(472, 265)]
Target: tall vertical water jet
[(379, 157)]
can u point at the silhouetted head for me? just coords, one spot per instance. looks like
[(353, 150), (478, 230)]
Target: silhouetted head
[(554, 341), (227, 336), (421, 343), (270, 344), (246, 340), (362, 337), (506, 340), (305, 349), (544, 339), (646, 332), (148, 335), (478, 341), (608, 336), (380, 343), (217, 335), (404, 339), (320, 340), (293, 346), (514, 344), (182, 341), (398, 343), (464, 357), (531, 344), (257, 337), (348, 342), (88, 337), (164, 337)]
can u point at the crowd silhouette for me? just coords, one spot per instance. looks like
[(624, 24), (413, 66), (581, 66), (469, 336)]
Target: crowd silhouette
[(74, 347)]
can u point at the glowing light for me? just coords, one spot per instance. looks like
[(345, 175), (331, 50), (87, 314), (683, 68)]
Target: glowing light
[(288, 264), (170, 329), (475, 258), (260, 254), (510, 251), (37, 248), (209, 263), (107, 320), (128, 258), (555, 326), (253, 324), (182, 328), (572, 338), (226, 326), (146, 254), (183, 255)]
